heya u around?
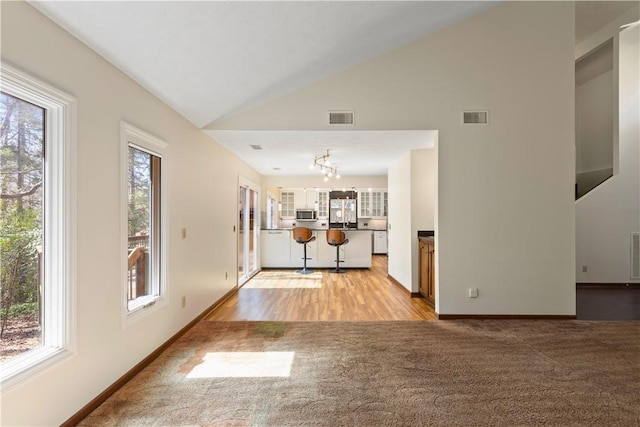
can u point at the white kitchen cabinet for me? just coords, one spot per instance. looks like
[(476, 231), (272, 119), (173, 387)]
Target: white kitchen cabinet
[(275, 248), (364, 204), (279, 250), (287, 204), (379, 242), (372, 204), (305, 198), (323, 204)]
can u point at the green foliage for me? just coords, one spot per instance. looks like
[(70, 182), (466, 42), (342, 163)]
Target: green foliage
[(139, 192), (20, 237), (21, 204), (21, 309)]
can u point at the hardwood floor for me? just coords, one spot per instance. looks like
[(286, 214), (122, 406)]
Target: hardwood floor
[(357, 294)]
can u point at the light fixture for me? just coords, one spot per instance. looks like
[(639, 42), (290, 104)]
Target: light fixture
[(322, 161)]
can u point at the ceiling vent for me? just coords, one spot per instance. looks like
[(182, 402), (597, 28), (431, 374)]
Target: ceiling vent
[(255, 146), (341, 118), (475, 117)]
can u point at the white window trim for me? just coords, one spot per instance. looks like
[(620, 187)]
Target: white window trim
[(132, 136), (59, 331)]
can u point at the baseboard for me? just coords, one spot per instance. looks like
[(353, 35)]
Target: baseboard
[(398, 284), (609, 285), (98, 400), (506, 316)]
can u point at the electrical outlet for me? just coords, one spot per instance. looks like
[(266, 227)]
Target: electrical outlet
[(184, 301), (473, 292), (584, 268)]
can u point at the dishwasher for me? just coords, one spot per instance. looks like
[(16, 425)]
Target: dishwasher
[(379, 241)]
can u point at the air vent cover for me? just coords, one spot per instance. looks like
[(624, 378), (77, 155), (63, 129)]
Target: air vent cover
[(475, 117), (341, 118), (635, 255)]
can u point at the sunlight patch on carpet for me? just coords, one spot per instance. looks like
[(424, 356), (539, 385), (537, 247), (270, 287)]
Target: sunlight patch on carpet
[(244, 365)]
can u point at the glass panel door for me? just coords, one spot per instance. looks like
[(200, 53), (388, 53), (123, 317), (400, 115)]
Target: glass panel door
[(248, 231), (252, 237), (242, 197)]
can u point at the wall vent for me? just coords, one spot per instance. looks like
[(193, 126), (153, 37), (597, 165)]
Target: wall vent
[(635, 255), (475, 117), (337, 118)]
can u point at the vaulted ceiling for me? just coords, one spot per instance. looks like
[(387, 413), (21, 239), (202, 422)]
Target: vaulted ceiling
[(212, 59)]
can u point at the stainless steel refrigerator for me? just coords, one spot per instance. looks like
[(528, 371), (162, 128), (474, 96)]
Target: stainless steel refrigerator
[(343, 213)]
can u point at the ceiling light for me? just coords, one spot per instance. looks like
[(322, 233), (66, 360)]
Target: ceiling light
[(322, 161)]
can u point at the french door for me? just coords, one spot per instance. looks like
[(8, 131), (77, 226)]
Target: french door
[(248, 229)]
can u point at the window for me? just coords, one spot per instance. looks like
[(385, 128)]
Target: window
[(37, 225), (144, 201)]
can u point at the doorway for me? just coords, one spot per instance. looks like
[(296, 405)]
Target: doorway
[(248, 226)]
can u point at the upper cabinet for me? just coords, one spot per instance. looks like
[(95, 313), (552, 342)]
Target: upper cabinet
[(287, 204), (372, 203), (364, 204), (306, 198), (323, 204)]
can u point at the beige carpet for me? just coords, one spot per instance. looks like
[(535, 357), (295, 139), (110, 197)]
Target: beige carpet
[(439, 373)]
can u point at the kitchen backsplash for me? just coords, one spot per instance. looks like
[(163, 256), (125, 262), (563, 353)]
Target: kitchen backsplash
[(363, 224)]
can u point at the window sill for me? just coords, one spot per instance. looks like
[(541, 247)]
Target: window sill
[(24, 367)]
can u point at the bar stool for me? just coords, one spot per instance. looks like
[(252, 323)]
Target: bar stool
[(302, 235), (337, 238)]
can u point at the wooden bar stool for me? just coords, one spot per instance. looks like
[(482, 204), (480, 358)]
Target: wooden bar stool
[(337, 238), (302, 235)]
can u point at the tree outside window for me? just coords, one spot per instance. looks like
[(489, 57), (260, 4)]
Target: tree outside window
[(21, 225)]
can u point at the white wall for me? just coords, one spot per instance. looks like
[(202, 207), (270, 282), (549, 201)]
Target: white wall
[(202, 198), (411, 208), (606, 216), (505, 208), (399, 221)]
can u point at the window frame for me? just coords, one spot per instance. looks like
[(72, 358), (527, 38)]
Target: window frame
[(131, 136), (59, 218)]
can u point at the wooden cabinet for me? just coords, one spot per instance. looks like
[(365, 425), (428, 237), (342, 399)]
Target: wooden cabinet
[(427, 270)]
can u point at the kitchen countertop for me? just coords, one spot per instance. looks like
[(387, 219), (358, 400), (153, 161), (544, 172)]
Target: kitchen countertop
[(322, 229)]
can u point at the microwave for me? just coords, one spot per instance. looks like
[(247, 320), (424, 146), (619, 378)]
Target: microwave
[(306, 215)]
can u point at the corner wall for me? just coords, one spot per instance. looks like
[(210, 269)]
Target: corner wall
[(202, 195), (606, 217), (411, 208), (505, 207), (400, 248)]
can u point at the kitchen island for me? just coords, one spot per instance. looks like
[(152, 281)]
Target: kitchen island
[(279, 250)]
